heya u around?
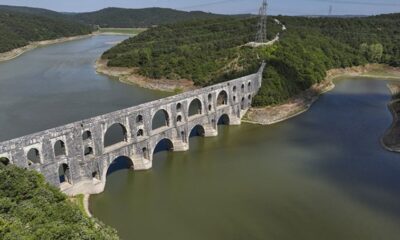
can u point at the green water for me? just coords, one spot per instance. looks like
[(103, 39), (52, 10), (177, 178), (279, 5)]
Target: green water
[(322, 175)]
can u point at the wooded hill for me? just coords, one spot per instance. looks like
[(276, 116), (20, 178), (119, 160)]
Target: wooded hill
[(31, 209), (139, 18), (210, 51), (19, 28)]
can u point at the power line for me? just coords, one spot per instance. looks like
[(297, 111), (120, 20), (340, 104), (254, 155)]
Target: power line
[(261, 36)]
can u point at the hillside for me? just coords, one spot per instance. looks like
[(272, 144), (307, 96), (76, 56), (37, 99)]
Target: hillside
[(18, 28), (138, 18), (211, 51), (31, 209)]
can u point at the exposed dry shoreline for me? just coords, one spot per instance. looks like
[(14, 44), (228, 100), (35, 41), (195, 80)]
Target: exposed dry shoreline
[(391, 139), (130, 76), (6, 56), (266, 115), (302, 102)]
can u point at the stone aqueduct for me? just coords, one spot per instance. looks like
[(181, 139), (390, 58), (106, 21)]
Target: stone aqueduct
[(76, 157)]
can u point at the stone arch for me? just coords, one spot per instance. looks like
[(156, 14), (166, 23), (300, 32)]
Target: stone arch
[(197, 131), (5, 161), (242, 88), (160, 119), (115, 134), (195, 107), (179, 119), (33, 156), (64, 173), (223, 120), (86, 135), (179, 107), (140, 133), (249, 86), (139, 119), (88, 151), (164, 144), (234, 89), (119, 163), (210, 97), (59, 148), (222, 98), (242, 104)]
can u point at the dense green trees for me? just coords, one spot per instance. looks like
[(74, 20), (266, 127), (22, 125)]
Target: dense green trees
[(210, 51), (31, 209), (138, 18), (17, 29)]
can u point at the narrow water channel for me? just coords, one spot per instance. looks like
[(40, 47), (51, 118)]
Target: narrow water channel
[(322, 175)]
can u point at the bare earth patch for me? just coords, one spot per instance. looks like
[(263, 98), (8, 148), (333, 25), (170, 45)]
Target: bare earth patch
[(130, 76), (19, 51), (302, 102)]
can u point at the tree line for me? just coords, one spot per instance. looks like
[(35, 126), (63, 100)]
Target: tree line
[(211, 51)]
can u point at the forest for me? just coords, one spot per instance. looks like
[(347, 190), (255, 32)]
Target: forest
[(211, 51), (138, 18), (31, 209), (19, 28)]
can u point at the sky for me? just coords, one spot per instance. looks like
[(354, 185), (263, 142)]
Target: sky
[(284, 7)]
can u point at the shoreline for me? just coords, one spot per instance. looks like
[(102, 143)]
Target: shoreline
[(12, 54), (130, 76), (391, 138), (257, 115), (301, 103)]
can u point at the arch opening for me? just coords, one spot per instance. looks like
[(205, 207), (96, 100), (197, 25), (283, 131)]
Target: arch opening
[(224, 120), (88, 151), (242, 104), (140, 133), (242, 88), (115, 134), (33, 156), (119, 164), (163, 145), (5, 161), (179, 119), (179, 107), (59, 148), (197, 131), (139, 119), (160, 119), (95, 175), (64, 173), (195, 107), (222, 98), (86, 135)]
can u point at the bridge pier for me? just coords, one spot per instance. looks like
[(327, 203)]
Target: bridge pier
[(180, 146), (210, 131)]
